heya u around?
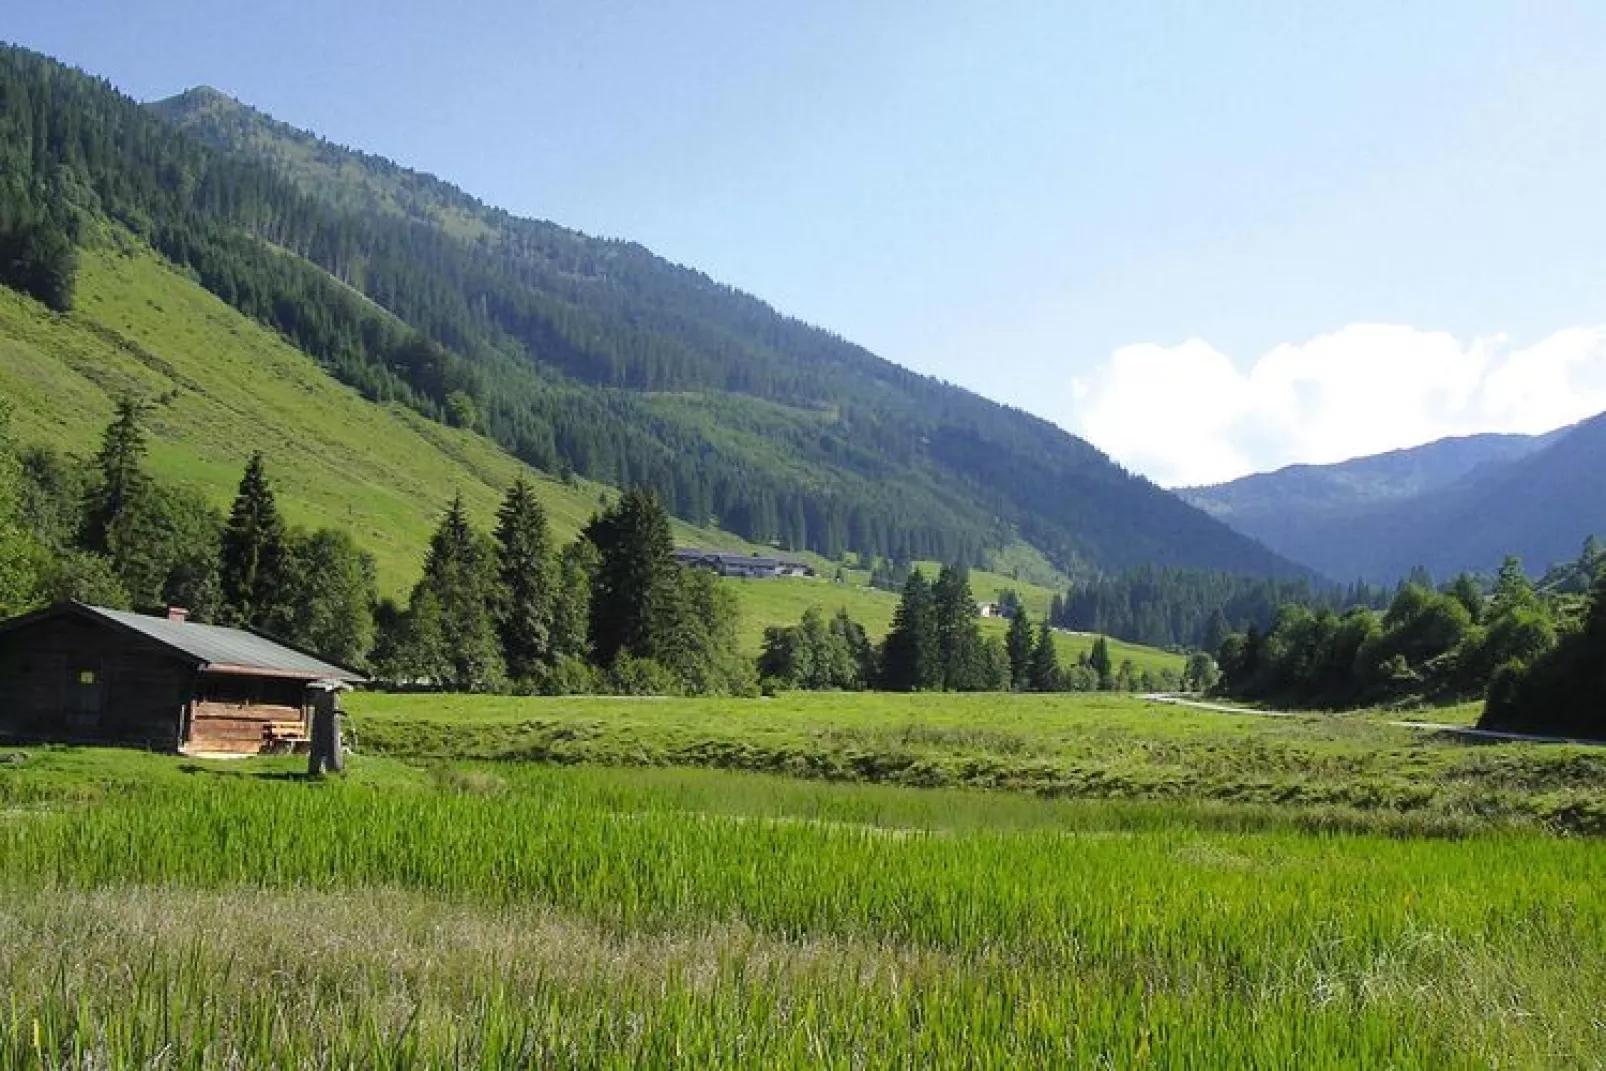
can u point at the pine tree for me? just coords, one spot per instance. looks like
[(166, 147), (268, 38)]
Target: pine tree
[(460, 577), (252, 569), (1512, 588), (524, 616), (571, 608), (909, 653), (1044, 671), (958, 636), (120, 479), (630, 590), (1019, 647), (1099, 662)]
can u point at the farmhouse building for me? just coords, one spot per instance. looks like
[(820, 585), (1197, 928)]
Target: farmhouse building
[(748, 566), (75, 672)]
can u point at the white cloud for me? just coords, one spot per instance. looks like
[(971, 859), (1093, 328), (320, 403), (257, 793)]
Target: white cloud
[(1186, 414)]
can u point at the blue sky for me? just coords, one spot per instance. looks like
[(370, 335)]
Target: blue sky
[(1211, 237)]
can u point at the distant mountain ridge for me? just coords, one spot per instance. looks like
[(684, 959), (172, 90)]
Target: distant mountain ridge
[(1452, 505)]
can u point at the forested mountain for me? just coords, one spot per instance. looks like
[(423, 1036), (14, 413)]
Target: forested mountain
[(591, 355), (1451, 506)]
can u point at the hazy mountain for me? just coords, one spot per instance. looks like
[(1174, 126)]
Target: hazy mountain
[(1451, 505)]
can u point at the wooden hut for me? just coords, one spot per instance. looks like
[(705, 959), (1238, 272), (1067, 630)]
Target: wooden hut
[(74, 672)]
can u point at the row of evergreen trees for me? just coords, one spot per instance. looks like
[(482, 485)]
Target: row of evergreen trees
[(935, 644), (611, 611)]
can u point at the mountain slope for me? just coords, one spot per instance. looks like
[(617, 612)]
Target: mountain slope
[(222, 386), (1457, 504), (781, 431)]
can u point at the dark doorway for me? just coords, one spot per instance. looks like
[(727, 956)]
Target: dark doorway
[(86, 698)]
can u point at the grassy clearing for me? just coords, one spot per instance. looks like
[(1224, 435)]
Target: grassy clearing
[(1337, 771), (501, 914)]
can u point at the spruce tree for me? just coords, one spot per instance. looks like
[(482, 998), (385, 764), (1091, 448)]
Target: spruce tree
[(1019, 647), (459, 577), (1099, 662), (120, 479), (524, 616), (571, 607), (630, 591), (1045, 670), (252, 565), (909, 654), (957, 633)]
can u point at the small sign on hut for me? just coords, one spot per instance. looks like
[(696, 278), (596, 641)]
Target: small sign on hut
[(81, 673)]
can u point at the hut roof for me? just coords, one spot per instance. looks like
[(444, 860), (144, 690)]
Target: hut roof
[(214, 648)]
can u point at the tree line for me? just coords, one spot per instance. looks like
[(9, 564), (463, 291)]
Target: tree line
[(935, 644), (504, 610), (1167, 607), (1535, 654)]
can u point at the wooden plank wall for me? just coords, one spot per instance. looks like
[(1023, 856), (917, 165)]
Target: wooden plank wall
[(144, 687)]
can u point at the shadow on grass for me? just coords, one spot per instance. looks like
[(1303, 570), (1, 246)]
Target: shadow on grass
[(256, 775)]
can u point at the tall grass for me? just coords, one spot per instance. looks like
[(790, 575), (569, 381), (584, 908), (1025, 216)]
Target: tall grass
[(578, 916), (1095, 745)]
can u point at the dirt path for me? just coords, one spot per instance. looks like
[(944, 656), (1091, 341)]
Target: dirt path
[(1420, 726)]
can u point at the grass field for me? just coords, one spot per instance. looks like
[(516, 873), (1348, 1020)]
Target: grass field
[(167, 913), (1346, 771)]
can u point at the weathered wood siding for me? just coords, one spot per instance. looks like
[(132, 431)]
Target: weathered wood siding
[(66, 678)]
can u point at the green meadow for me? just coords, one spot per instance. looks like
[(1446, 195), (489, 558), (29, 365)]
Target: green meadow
[(1323, 771), (162, 912)]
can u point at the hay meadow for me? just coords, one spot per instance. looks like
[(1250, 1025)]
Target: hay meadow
[(464, 898)]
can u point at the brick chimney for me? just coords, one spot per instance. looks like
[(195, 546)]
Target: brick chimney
[(177, 613)]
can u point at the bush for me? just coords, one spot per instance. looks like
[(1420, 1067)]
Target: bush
[(571, 675), (642, 676)]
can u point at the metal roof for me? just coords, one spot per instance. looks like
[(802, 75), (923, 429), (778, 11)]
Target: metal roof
[(226, 650)]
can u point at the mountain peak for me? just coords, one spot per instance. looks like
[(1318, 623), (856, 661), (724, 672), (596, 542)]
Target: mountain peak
[(198, 98)]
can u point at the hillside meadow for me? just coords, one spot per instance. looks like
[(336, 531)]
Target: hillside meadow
[(436, 912), (221, 386)]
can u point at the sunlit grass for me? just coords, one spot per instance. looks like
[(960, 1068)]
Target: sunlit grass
[(514, 913)]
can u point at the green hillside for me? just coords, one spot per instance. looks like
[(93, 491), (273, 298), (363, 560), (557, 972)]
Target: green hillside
[(222, 386), (599, 355)]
